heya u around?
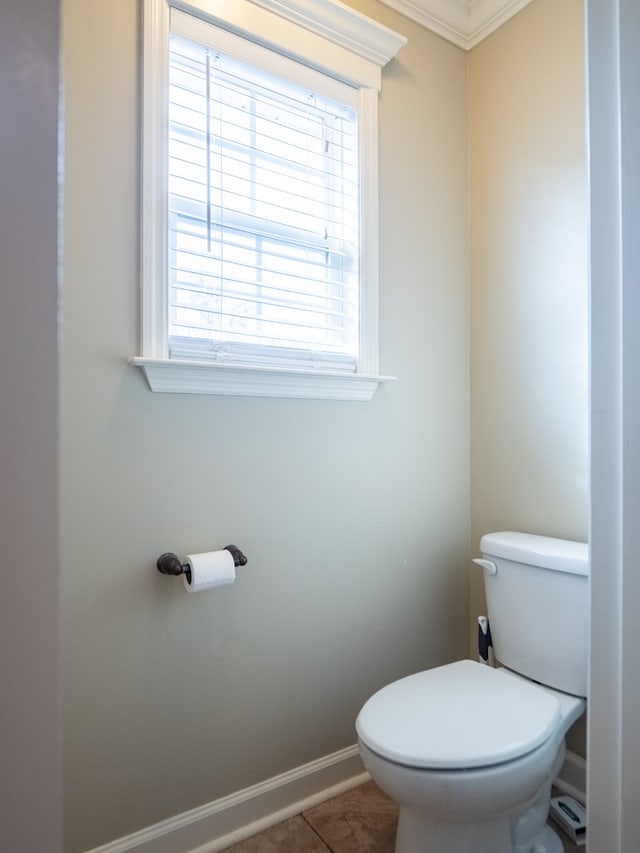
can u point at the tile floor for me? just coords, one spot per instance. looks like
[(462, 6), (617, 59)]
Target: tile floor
[(361, 821)]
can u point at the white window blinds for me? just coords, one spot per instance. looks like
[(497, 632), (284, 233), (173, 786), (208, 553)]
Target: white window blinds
[(263, 216)]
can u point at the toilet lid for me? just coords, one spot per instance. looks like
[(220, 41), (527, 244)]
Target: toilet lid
[(461, 715)]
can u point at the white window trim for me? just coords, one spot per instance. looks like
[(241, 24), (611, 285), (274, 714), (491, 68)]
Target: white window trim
[(332, 38)]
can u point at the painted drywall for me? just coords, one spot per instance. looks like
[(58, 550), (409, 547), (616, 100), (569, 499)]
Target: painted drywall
[(529, 280), (354, 517), (30, 742)]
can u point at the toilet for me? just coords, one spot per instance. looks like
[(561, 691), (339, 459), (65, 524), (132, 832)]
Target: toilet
[(469, 751)]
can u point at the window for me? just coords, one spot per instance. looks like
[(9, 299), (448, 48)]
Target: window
[(259, 211), (263, 215)]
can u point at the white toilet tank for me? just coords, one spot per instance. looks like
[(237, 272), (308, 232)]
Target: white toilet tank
[(538, 607)]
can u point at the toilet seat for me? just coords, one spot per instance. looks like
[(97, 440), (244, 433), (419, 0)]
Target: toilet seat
[(462, 715)]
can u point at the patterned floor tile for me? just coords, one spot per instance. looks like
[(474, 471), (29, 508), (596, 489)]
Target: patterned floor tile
[(292, 836), (361, 821)]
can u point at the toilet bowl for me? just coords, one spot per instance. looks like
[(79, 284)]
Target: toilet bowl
[(469, 753)]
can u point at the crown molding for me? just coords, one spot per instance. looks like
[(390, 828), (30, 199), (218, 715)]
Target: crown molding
[(342, 25), (463, 22)]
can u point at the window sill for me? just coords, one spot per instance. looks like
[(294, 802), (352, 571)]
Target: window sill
[(197, 377)]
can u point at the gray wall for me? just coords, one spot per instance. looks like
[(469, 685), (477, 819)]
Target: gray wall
[(529, 279), (30, 754), (355, 517)]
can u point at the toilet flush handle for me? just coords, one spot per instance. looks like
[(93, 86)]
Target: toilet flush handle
[(488, 565)]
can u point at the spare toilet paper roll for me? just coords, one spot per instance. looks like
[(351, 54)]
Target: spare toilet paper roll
[(214, 568)]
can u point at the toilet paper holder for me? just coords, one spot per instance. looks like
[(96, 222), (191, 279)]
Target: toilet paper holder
[(169, 563)]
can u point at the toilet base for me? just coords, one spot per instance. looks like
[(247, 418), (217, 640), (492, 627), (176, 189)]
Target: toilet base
[(500, 808), (417, 834)]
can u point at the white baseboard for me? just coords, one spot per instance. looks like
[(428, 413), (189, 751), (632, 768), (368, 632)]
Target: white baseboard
[(572, 778), (217, 825)]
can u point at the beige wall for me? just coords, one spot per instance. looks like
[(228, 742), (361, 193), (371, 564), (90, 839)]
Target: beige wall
[(354, 517), (529, 286)]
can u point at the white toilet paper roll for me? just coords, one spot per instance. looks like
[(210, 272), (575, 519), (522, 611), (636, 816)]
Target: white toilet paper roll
[(213, 568)]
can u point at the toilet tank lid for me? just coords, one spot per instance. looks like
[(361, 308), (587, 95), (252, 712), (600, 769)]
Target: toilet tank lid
[(560, 555)]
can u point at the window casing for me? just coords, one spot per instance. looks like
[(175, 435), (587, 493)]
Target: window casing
[(259, 210)]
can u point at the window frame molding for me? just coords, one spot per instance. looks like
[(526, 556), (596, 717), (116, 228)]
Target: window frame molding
[(332, 38)]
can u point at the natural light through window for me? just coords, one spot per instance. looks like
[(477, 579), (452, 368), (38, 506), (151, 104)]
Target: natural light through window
[(263, 215), (259, 259)]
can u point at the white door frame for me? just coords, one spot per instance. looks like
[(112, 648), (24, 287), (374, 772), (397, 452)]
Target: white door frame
[(613, 749)]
